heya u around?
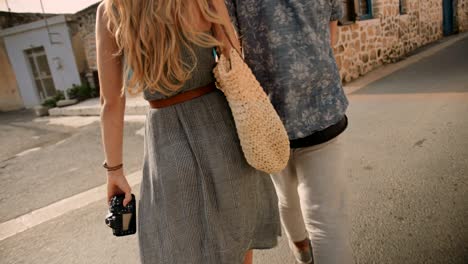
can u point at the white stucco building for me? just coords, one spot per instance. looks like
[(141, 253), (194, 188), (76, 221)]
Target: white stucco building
[(42, 58)]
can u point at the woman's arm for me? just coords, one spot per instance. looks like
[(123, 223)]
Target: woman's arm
[(112, 105)]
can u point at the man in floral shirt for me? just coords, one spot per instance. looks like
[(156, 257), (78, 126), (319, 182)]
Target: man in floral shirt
[(288, 45)]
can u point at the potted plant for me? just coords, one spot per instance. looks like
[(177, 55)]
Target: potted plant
[(51, 102), (43, 109), (82, 92)]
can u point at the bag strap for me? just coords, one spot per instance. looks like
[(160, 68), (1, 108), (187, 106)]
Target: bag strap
[(218, 29)]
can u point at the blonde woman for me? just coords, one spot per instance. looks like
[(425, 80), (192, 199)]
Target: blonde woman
[(200, 202)]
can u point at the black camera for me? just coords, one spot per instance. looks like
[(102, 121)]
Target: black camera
[(122, 219)]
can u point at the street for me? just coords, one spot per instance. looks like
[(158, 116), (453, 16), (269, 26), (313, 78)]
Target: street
[(407, 160)]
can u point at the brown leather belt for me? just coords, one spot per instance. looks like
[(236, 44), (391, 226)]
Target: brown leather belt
[(183, 97)]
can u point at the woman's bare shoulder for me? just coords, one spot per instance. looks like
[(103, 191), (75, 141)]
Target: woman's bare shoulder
[(101, 17), (101, 8)]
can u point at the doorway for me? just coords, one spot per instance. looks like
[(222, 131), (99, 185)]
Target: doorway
[(42, 75), (448, 13)]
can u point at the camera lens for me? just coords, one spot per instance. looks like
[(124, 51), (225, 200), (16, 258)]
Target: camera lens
[(109, 221)]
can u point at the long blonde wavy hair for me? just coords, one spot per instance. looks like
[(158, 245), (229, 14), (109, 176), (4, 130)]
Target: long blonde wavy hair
[(150, 34)]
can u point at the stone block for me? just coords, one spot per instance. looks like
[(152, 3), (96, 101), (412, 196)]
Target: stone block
[(346, 64), (363, 37), (373, 55), (364, 58), (341, 48), (348, 78), (356, 45), (63, 103), (41, 110)]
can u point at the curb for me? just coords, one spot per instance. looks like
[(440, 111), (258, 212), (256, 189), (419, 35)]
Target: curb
[(94, 111), (25, 222), (92, 107)]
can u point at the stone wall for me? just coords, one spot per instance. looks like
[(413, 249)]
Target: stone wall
[(367, 44), (462, 15), (84, 29), (79, 49), (8, 19)]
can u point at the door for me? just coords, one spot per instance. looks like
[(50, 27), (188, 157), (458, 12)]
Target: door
[(448, 17), (40, 69)]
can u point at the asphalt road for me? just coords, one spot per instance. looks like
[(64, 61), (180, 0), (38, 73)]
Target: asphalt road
[(55, 161), (407, 160), (19, 132)]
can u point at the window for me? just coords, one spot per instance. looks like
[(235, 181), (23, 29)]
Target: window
[(364, 9), (403, 7), (356, 10), (348, 12)]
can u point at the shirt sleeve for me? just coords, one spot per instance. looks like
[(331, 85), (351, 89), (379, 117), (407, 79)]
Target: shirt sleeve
[(337, 10)]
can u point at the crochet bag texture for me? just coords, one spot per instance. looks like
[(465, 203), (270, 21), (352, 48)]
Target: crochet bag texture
[(262, 135)]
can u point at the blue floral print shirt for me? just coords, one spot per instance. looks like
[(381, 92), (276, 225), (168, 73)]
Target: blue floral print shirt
[(287, 46)]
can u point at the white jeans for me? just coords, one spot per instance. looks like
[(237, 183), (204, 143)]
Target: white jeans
[(312, 201)]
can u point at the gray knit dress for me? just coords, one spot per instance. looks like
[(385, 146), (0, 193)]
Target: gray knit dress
[(201, 203)]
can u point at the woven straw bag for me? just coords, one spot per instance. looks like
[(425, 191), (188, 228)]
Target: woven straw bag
[(262, 135)]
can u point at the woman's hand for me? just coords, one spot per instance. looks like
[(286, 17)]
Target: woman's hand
[(117, 184)]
